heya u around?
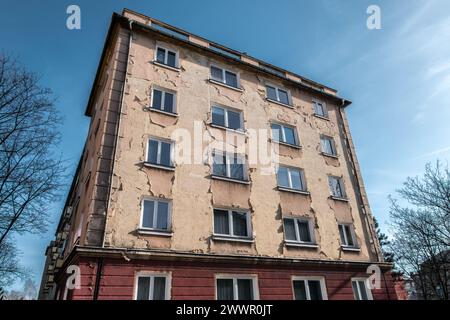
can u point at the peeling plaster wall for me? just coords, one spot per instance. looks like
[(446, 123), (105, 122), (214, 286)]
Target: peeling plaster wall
[(193, 194)]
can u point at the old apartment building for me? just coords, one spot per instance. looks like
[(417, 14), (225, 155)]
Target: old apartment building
[(139, 224)]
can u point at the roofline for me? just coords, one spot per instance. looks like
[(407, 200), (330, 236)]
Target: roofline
[(118, 18)]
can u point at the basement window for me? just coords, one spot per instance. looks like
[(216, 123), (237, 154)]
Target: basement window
[(152, 286), (227, 118), (232, 223), (278, 95), (166, 57), (309, 288), (163, 100), (298, 230), (159, 153), (228, 165), (284, 134), (328, 146), (225, 76), (336, 185), (239, 287), (155, 215), (320, 109), (347, 235), (361, 290), (291, 178)]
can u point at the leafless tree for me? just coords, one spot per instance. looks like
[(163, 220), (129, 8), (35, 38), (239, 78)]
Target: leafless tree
[(29, 171), (421, 228)]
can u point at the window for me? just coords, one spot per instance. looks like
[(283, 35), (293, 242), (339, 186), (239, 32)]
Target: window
[(336, 187), (167, 57), (284, 134), (229, 165), (155, 215), (163, 100), (227, 77), (328, 146), (291, 178), (277, 94), (361, 289), (347, 235), (159, 153), (232, 223), (227, 118), (320, 109), (154, 286), (298, 230), (309, 288), (236, 288)]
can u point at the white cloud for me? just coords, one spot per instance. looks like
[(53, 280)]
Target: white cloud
[(432, 153)]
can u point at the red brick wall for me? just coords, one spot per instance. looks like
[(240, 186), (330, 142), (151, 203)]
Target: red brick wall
[(196, 280)]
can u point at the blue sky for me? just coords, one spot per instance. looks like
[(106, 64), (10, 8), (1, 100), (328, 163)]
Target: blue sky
[(398, 77)]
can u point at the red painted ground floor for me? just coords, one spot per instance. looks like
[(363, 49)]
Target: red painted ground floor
[(160, 276)]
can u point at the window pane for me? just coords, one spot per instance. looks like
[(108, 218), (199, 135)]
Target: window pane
[(355, 290), (152, 151), (147, 218), (319, 109), (160, 54), (216, 74), (245, 290), (231, 79), (299, 290), (289, 229), (362, 289), (159, 288), (237, 171), (296, 179), (165, 154), (335, 187), (327, 146), (224, 289), (289, 135), (218, 116), (282, 177), (162, 215), (315, 292), (219, 165), (157, 99), (271, 93), (234, 120), (240, 224), (283, 96), (171, 59), (168, 102), (221, 225), (143, 289), (341, 234), (303, 229), (276, 131), (348, 232)]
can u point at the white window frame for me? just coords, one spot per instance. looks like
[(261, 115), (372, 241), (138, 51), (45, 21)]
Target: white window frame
[(277, 88), (158, 156), (223, 81), (226, 109), (324, 108), (341, 185), (302, 178), (352, 234), (297, 231), (321, 280), (332, 143), (229, 156), (163, 99), (235, 277), (166, 56), (155, 214), (152, 275), (283, 135), (366, 285), (230, 223)]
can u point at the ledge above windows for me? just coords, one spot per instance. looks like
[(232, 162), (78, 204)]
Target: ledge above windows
[(334, 156), (155, 232), (311, 245), (166, 66), (339, 199), (226, 85), (159, 166), (352, 249), (227, 129), (285, 189), (321, 117), (295, 146), (219, 237), (171, 114), (280, 103), (216, 177)]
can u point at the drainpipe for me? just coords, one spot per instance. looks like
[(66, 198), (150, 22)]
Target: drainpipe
[(98, 277)]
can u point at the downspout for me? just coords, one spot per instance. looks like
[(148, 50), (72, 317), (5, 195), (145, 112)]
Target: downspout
[(358, 182)]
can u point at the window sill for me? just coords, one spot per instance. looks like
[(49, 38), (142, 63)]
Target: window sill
[(280, 103), (295, 146), (339, 199), (230, 179), (154, 232), (330, 155), (225, 85), (321, 117), (227, 129), (352, 249), (233, 239), (166, 66), (163, 112), (293, 190), (157, 166), (300, 245)]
